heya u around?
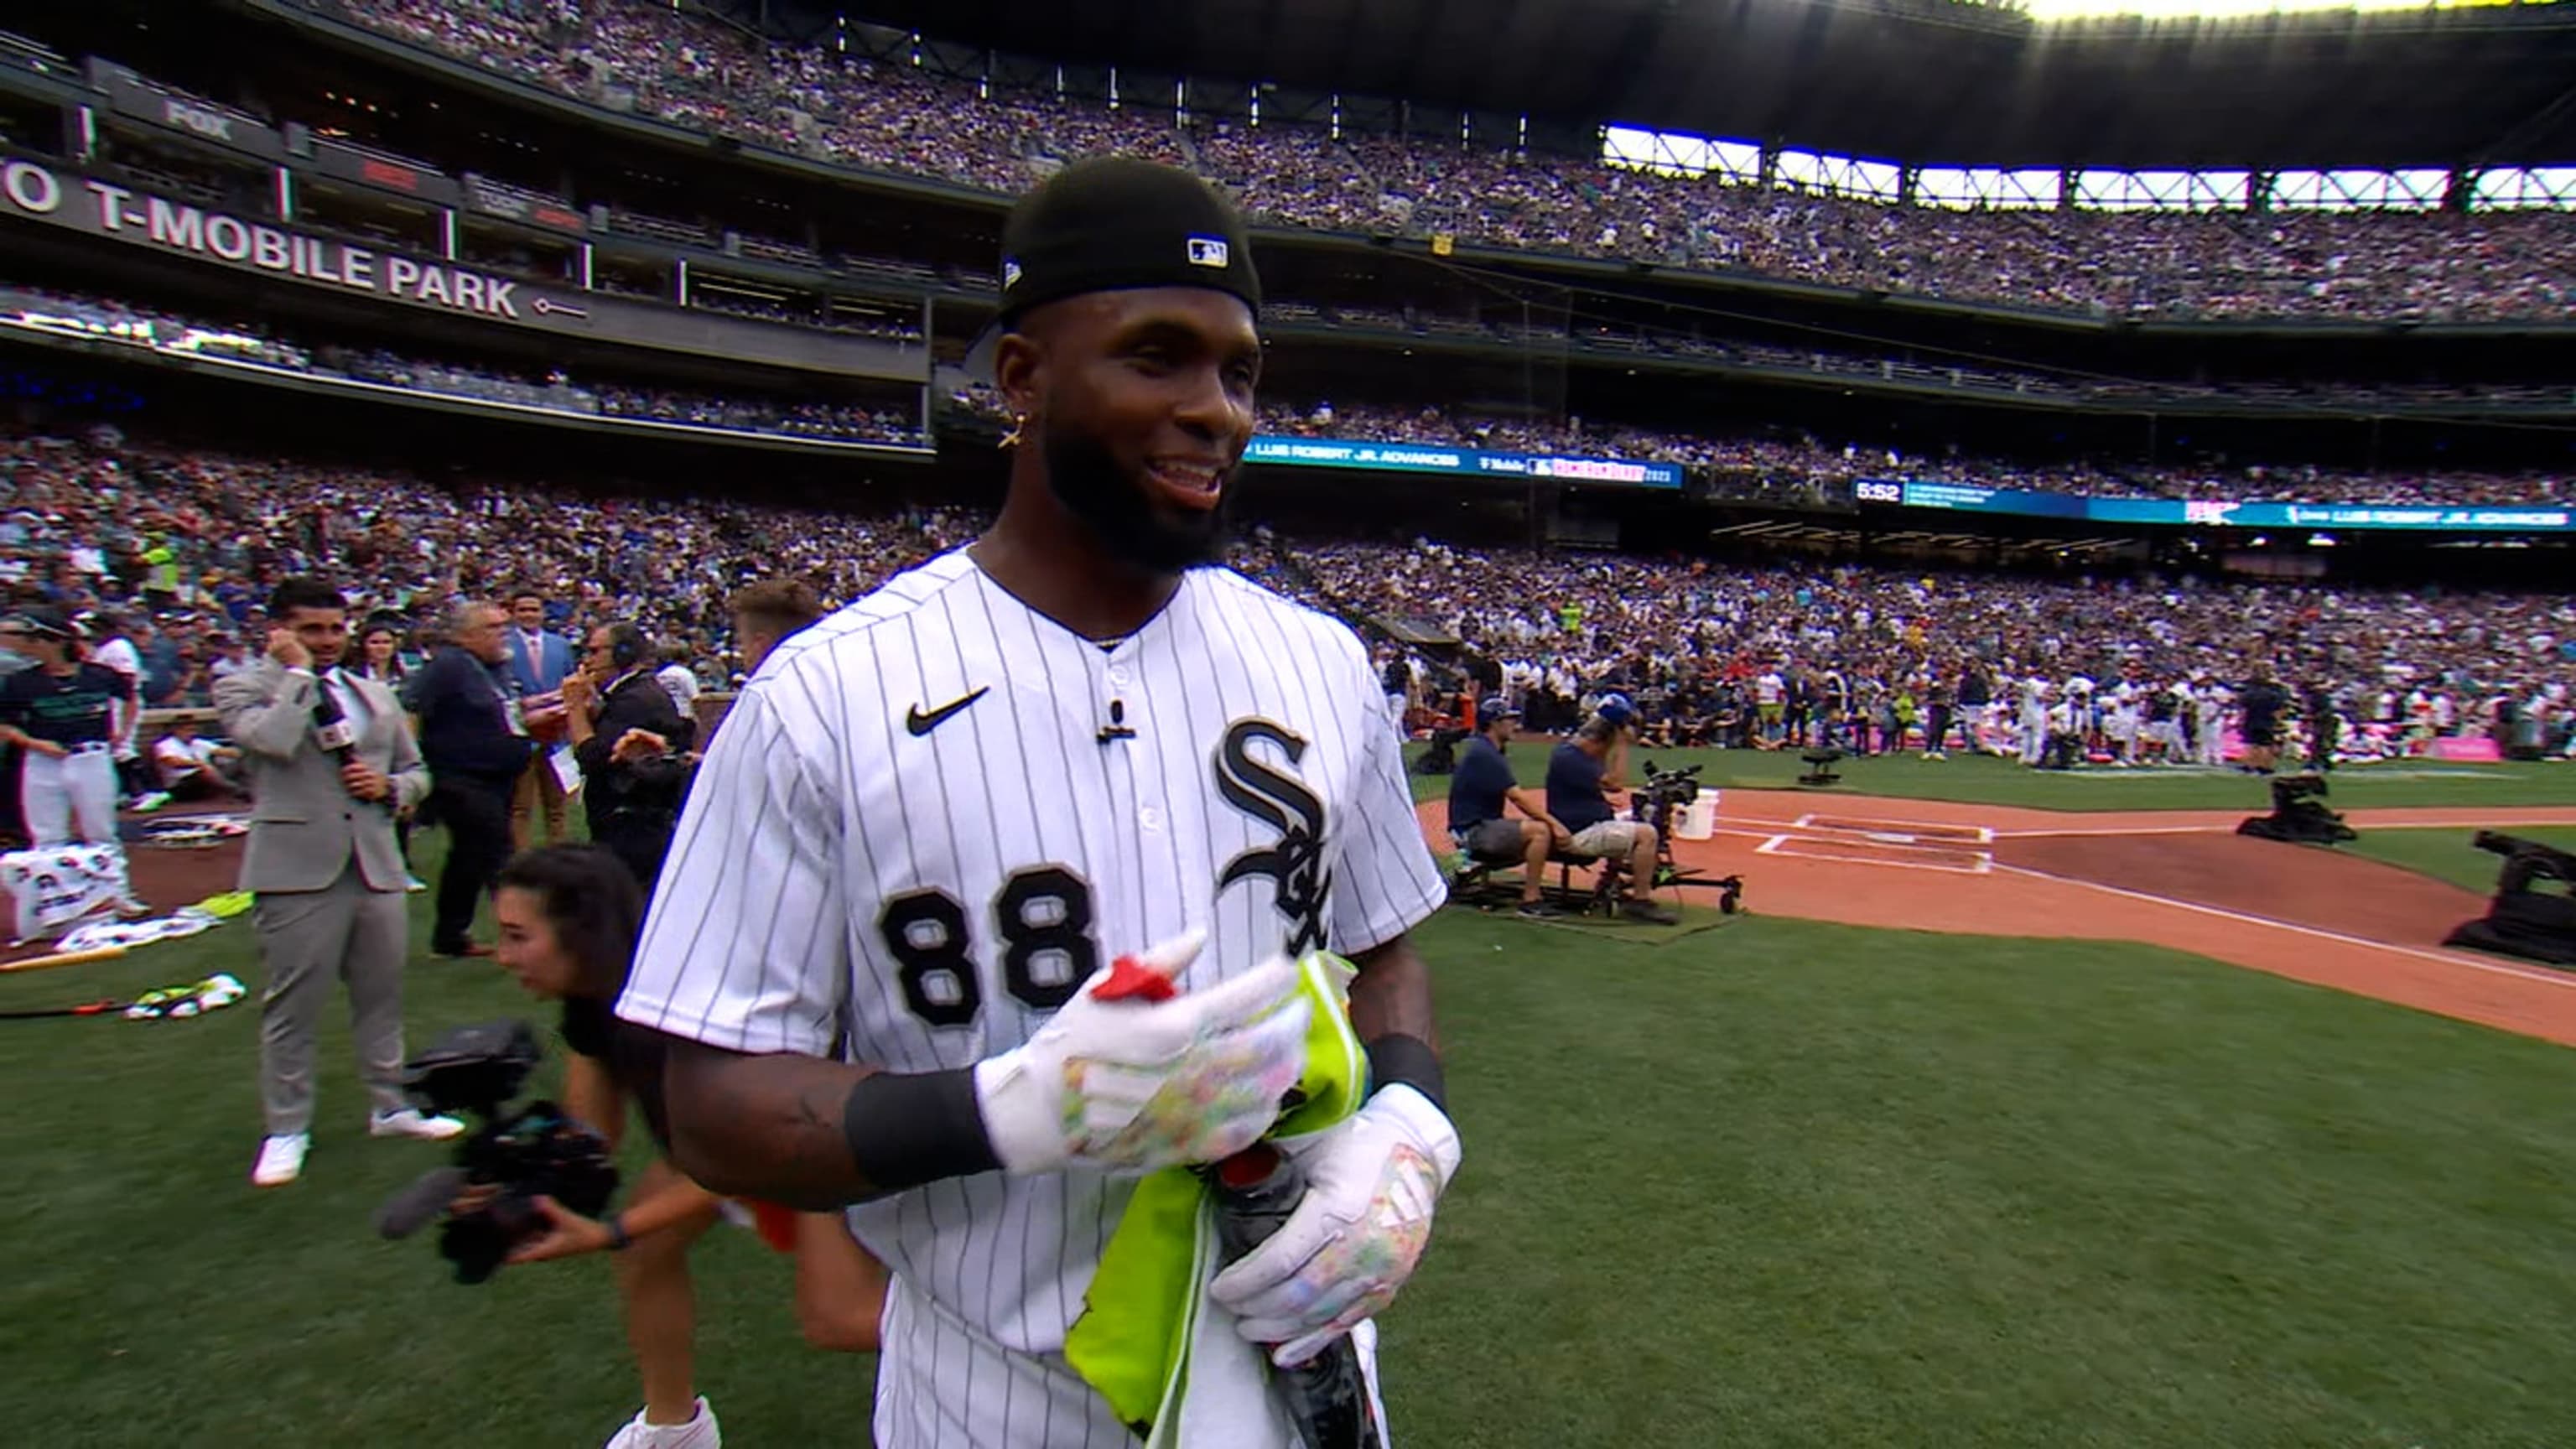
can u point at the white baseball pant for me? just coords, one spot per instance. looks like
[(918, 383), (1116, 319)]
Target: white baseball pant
[(70, 799)]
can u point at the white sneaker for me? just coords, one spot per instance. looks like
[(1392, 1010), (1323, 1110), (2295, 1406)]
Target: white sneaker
[(408, 1122), (414, 884), (281, 1160), (699, 1433)]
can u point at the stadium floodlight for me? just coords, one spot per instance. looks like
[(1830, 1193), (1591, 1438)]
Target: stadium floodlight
[(2047, 11)]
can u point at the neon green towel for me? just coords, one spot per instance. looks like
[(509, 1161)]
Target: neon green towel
[(226, 906), (1132, 1342)]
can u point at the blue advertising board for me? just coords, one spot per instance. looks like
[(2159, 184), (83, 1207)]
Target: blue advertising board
[(1430, 458), (2219, 513)]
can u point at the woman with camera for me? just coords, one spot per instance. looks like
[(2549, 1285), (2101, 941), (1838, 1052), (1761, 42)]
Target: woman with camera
[(569, 917)]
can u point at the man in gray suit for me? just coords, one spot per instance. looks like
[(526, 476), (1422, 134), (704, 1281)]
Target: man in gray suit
[(330, 758)]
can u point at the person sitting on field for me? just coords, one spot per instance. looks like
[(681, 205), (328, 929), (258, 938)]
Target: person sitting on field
[(196, 768), (1580, 775), (1482, 790)]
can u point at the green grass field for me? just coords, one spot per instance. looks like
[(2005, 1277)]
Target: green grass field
[(2447, 854), (1778, 1183), (2004, 782)]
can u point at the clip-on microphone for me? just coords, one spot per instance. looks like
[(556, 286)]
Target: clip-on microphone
[(1116, 729)]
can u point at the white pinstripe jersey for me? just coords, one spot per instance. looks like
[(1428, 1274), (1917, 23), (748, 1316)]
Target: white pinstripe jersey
[(911, 841)]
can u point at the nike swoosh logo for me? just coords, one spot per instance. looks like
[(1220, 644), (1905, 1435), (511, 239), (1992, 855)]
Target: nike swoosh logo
[(921, 723)]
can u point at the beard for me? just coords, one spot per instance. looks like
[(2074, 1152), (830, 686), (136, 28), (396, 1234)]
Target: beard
[(1133, 526)]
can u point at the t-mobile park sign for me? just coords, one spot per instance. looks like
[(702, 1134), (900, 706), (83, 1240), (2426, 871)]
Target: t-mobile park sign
[(124, 213)]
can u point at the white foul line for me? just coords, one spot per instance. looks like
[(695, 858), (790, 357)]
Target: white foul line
[(1802, 849), (2550, 978)]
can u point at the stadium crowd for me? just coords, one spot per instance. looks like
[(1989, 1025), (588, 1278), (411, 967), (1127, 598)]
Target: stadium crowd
[(178, 548), (1859, 656), (182, 547), (1789, 468), (554, 391), (1802, 466), (659, 60)]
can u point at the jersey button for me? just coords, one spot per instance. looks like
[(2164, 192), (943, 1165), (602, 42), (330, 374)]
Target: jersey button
[(1118, 675), (1150, 818)]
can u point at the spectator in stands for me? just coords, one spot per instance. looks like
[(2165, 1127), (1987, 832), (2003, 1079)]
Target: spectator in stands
[(1482, 795)]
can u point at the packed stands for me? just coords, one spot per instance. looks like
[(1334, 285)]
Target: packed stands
[(656, 60), (553, 392), (1559, 629)]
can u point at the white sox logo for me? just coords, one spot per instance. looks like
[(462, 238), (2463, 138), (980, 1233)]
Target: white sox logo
[(1296, 863)]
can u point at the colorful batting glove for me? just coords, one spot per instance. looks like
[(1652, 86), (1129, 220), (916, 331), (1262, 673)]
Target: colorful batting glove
[(1371, 1183), (1123, 1081)]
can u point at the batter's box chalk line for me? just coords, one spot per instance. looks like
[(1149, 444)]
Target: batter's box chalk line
[(1916, 857), (1896, 832)]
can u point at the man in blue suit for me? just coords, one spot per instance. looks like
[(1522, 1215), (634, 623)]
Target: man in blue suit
[(539, 660)]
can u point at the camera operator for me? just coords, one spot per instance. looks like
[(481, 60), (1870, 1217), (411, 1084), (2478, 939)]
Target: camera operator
[(1581, 773), (633, 744), (1480, 791), (570, 915)]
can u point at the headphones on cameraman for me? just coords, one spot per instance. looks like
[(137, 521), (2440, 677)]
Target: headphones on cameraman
[(626, 645)]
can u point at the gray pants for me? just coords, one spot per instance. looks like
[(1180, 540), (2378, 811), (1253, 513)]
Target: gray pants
[(308, 939)]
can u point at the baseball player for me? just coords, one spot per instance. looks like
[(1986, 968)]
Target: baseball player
[(936, 819), (65, 713), (2034, 719)]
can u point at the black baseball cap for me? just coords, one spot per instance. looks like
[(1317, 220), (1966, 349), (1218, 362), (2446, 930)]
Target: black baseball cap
[(1117, 223)]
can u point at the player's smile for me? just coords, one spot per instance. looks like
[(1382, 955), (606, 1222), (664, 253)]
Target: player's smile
[(1196, 482)]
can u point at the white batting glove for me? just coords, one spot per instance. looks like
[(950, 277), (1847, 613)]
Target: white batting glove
[(1371, 1182), (1138, 1083)]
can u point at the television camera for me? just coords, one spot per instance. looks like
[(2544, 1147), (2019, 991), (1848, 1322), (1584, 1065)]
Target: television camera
[(1652, 803), (2523, 919), (522, 1154), (2525, 861)]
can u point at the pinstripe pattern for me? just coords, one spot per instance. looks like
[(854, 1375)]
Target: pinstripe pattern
[(815, 806)]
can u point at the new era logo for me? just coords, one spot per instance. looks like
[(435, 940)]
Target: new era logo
[(1208, 251)]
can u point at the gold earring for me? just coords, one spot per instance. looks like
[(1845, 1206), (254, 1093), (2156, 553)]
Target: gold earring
[(1019, 426)]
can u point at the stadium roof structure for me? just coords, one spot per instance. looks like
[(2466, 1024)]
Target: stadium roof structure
[(1927, 82)]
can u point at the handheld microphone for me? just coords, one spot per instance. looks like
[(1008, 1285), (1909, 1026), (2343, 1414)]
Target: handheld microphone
[(331, 727), (332, 730)]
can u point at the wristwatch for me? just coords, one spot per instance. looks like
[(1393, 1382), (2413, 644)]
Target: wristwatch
[(618, 1242)]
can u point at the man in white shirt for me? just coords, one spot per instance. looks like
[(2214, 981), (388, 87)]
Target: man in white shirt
[(117, 652), (679, 681), (194, 767)]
